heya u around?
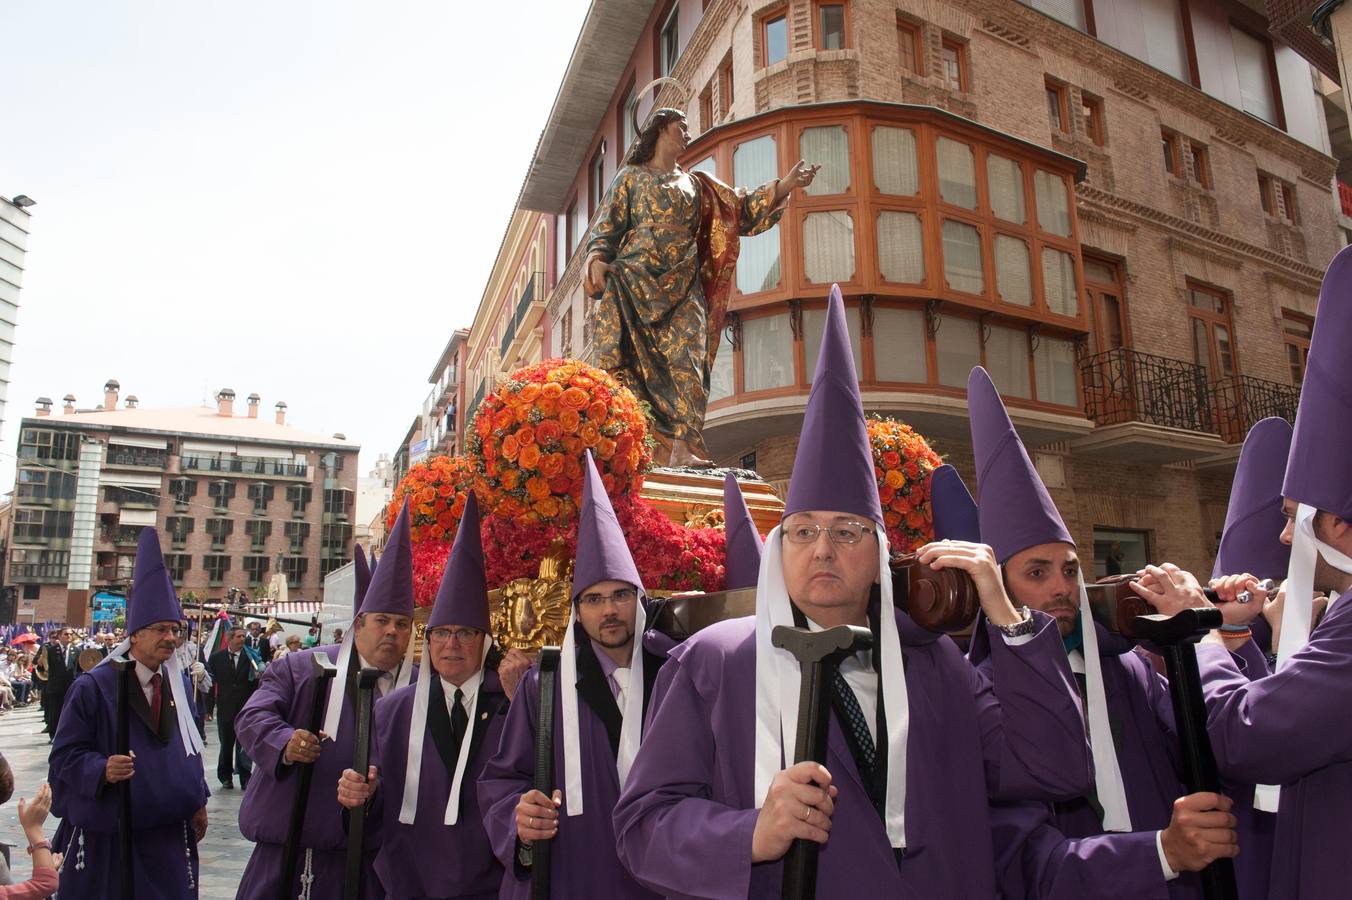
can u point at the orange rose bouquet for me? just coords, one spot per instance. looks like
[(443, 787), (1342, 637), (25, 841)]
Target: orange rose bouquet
[(436, 489), (902, 462), (527, 439)]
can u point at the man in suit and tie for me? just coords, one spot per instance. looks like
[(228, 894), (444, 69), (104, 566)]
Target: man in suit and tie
[(62, 667), (258, 642), (232, 671)]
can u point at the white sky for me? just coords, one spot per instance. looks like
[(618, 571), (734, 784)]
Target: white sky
[(299, 199)]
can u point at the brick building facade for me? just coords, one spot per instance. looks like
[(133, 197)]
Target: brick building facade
[(235, 499), (1122, 209)]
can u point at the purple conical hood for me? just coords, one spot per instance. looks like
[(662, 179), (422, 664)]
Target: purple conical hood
[(362, 573), (743, 540), (602, 554), (1253, 524), (833, 470), (1317, 471), (952, 507), (1016, 512), (462, 599), (391, 588), (152, 589)]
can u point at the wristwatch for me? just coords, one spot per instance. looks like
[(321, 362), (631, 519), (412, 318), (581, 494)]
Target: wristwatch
[(1022, 628)]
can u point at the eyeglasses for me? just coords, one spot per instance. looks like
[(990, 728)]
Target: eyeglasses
[(621, 597), (164, 629), (459, 635), (838, 532)]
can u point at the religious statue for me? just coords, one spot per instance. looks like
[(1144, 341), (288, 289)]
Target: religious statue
[(660, 258)]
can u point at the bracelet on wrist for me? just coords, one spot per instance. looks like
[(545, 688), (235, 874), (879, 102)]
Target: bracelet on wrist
[(1232, 631), (40, 845)]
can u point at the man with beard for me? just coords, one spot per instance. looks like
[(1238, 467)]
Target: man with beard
[(605, 667), (1132, 834), (273, 729)]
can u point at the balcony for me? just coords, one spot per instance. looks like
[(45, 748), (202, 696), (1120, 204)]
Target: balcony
[(261, 466), (527, 314), (1155, 410), (43, 572), (120, 457)]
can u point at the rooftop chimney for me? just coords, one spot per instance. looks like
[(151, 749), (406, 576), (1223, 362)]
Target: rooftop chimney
[(253, 405), (225, 402), (110, 393), (44, 406), (281, 412), (69, 401), (131, 401)]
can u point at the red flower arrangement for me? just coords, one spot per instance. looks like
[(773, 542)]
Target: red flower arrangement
[(527, 441), (429, 564), (902, 462), (436, 490)]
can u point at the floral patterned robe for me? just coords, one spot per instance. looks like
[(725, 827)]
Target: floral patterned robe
[(672, 243)]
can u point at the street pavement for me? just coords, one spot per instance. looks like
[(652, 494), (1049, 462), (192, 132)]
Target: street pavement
[(223, 853)]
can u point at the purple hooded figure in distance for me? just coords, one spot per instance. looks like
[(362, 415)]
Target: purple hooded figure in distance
[(743, 540)]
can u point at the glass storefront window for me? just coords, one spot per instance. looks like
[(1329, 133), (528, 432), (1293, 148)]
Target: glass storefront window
[(767, 353), (901, 247), (894, 161), (957, 173), (899, 345), (1013, 275), (962, 257), (828, 246), (829, 147)]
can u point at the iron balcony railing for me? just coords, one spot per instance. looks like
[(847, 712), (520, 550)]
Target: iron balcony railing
[(245, 465), (1243, 401), (1124, 385)]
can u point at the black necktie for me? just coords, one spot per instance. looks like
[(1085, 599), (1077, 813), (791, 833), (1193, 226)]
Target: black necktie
[(856, 726), (459, 719), (1092, 796)]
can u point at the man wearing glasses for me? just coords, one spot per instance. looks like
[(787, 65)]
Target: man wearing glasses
[(605, 666), (432, 739), (918, 740), (163, 770)]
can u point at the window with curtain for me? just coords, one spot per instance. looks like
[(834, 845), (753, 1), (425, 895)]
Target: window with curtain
[(1166, 45), (754, 163), (720, 375), (899, 345), (1058, 282), (705, 165), (814, 322), (957, 173), (958, 348), (829, 146), (767, 353), (962, 257), (1253, 64), (1053, 204), (1007, 361), (1070, 12), (831, 26), (1004, 178), (828, 246), (1013, 275), (894, 161), (901, 247), (1054, 362)]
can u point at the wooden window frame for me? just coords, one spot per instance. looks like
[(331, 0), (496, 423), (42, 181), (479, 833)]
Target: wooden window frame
[(706, 107), (773, 14), (1201, 163), (670, 17), (818, 32), (1094, 127), (1299, 341), (596, 183), (1267, 196), (964, 74), (621, 147), (1173, 162), (570, 217), (1288, 210), (1058, 90), (1258, 32), (1227, 319), (726, 87), (910, 31)]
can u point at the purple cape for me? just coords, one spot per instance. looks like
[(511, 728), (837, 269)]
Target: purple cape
[(685, 820), (168, 788), (465, 865)]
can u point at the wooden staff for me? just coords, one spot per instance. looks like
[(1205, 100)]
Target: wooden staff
[(126, 669), (541, 851), (361, 762), (324, 670)]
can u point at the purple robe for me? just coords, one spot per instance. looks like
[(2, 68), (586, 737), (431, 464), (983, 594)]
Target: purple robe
[(279, 706), (685, 820), (1291, 728), (584, 861), (1065, 852), (465, 866), (168, 788)]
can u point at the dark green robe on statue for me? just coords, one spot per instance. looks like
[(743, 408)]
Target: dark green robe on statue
[(671, 240)]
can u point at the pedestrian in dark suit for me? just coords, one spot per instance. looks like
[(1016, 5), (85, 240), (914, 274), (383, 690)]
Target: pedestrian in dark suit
[(232, 671), (258, 642), (62, 667)]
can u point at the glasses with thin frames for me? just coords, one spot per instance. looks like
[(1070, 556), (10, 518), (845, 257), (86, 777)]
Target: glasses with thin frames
[(459, 635), (622, 597), (837, 532)]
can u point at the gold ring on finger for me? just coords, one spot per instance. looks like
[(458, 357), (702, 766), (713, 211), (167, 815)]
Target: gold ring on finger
[(532, 823), (807, 813)]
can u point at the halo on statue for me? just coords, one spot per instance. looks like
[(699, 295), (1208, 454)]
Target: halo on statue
[(658, 83)]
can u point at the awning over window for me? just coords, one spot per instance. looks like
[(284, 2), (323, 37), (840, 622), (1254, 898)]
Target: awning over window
[(140, 517)]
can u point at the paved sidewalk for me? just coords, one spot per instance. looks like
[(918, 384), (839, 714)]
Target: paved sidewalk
[(224, 852)]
